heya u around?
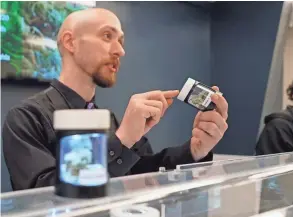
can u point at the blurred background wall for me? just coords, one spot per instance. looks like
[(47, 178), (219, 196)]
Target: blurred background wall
[(243, 38)]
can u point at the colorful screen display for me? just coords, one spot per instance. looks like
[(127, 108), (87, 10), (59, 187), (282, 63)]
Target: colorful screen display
[(28, 37)]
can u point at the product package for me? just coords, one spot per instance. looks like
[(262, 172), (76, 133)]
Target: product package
[(197, 95)]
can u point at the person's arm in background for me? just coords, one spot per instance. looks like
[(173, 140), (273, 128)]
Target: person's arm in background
[(26, 150), (276, 137)]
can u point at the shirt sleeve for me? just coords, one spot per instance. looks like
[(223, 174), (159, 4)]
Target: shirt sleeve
[(276, 137), (28, 159), (120, 158)]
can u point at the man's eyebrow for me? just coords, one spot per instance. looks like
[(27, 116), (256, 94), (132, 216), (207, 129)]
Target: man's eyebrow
[(113, 29)]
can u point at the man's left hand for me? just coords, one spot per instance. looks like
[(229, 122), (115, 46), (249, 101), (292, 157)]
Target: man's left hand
[(209, 127)]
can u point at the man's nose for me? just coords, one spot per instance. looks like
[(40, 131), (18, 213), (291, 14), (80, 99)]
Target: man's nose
[(117, 50)]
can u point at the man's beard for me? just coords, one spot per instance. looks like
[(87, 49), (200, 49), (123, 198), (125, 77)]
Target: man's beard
[(104, 82)]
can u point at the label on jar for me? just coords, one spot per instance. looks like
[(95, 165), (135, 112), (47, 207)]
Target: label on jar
[(83, 159)]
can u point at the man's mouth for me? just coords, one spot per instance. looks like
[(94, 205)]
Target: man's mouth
[(113, 66)]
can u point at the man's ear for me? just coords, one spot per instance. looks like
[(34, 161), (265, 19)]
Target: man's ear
[(67, 41)]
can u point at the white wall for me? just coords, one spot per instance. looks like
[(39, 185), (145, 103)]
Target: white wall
[(288, 66), (274, 97)]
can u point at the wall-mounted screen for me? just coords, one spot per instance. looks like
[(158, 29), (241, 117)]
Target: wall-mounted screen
[(28, 38)]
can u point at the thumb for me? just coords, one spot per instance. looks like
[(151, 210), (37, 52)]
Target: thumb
[(196, 119), (195, 141), (195, 146)]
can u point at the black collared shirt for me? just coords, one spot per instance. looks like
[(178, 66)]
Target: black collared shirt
[(29, 142)]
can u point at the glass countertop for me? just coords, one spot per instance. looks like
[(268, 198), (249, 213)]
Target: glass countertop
[(252, 186)]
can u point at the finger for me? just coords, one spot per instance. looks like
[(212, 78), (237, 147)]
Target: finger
[(214, 117), (221, 104), (199, 137), (152, 114), (216, 88), (157, 95), (155, 103), (211, 129), (169, 94), (201, 144), (199, 133)]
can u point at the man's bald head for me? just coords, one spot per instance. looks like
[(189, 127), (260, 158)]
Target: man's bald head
[(92, 39), (79, 21)]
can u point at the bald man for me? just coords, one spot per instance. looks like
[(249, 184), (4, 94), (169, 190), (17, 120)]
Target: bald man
[(91, 45)]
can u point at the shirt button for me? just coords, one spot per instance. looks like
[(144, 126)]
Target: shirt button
[(111, 153), (119, 161)]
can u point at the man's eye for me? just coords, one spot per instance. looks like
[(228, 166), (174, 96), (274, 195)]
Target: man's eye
[(107, 36)]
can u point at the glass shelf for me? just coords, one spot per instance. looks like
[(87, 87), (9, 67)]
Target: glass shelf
[(244, 187)]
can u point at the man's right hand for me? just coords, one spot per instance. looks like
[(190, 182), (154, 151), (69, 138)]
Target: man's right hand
[(143, 112)]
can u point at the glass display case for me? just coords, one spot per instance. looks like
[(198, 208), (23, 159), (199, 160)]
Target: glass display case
[(254, 186)]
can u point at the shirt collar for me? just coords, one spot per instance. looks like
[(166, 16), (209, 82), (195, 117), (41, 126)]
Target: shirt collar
[(73, 98)]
